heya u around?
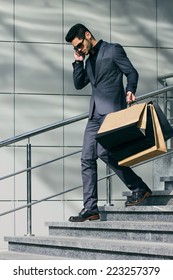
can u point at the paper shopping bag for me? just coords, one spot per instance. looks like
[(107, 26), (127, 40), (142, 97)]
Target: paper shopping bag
[(157, 149), (130, 148), (167, 129), (123, 126)]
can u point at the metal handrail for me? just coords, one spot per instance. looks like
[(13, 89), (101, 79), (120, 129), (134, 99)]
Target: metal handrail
[(43, 129), (49, 197), (165, 76), (38, 165), (154, 93), (70, 190), (71, 120), (162, 78)]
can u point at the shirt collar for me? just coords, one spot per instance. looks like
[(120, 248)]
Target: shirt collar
[(96, 48)]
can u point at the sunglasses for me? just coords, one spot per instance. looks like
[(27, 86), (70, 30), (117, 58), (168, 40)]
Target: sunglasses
[(79, 46)]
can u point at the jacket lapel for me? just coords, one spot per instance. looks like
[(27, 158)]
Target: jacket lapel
[(99, 60), (90, 72)]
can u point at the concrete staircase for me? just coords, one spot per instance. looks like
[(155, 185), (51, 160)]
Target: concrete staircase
[(138, 232)]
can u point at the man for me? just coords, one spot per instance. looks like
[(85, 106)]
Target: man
[(104, 70)]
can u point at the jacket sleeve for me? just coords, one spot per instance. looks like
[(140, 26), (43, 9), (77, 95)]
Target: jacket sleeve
[(126, 67), (80, 77)]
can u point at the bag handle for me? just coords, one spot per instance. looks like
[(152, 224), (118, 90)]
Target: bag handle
[(132, 103)]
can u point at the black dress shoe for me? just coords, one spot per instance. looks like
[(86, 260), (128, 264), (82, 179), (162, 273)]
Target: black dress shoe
[(137, 197), (85, 215)]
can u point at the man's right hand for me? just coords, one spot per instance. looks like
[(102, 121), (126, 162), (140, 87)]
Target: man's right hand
[(79, 56)]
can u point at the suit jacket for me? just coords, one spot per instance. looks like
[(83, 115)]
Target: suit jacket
[(108, 94)]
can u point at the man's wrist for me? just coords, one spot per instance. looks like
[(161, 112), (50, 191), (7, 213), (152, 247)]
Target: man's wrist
[(129, 92)]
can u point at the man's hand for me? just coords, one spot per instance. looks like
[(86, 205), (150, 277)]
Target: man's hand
[(79, 56), (130, 97)]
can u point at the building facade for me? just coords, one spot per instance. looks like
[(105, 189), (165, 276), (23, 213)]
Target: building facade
[(37, 89)]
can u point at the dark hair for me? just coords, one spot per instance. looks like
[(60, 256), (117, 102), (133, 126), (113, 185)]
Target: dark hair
[(78, 30)]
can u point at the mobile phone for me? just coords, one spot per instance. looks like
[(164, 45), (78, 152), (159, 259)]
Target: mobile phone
[(79, 53)]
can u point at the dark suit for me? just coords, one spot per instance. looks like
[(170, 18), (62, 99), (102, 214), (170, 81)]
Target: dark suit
[(107, 96)]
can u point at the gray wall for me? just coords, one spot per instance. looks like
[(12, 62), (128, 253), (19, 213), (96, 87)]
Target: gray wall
[(37, 89)]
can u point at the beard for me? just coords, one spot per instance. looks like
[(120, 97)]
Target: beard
[(89, 47)]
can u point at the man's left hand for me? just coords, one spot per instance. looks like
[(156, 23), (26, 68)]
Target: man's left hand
[(130, 97)]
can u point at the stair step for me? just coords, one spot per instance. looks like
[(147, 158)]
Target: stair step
[(159, 213), (11, 255), (87, 248), (168, 182), (138, 232), (122, 230), (166, 179), (160, 197)]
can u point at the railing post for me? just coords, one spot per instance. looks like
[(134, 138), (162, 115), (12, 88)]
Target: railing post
[(29, 209), (165, 107), (165, 99), (108, 187)]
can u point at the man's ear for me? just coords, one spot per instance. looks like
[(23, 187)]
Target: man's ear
[(88, 35)]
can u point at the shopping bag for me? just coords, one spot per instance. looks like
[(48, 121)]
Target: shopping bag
[(158, 148), (167, 129), (123, 126), (130, 148)]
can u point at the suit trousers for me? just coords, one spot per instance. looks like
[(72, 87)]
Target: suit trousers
[(92, 150)]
